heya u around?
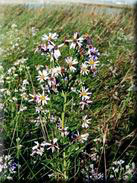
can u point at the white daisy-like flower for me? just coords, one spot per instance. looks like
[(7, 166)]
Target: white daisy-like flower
[(56, 71), (85, 103), (43, 98), (71, 63), (83, 137), (54, 50), (84, 69), (85, 94), (43, 75), (37, 149), (25, 82), (77, 41), (52, 145), (92, 63), (64, 131), (55, 53), (86, 122), (50, 37)]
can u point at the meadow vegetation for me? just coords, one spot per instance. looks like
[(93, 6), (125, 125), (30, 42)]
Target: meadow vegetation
[(68, 109)]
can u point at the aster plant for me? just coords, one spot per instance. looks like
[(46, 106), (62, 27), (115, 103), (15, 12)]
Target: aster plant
[(56, 94)]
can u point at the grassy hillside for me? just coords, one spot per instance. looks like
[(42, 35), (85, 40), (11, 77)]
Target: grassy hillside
[(112, 131)]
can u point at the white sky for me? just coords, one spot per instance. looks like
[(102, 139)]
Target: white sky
[(53, 1)]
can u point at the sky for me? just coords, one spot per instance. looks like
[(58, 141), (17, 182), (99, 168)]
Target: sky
[(58, 1)]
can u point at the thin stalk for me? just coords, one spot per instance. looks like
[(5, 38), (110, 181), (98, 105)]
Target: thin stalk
[(63, 121), (44, 129), (64, 110), (18, 155), (65, 165)]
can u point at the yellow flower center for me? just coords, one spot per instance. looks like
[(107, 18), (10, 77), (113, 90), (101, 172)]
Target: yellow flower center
[(84, 69), (42, 77), (25, 96), (49, 38), (70, 64), (33, 97), (83, 94), (91, 62), (86, 35), (42, 97)]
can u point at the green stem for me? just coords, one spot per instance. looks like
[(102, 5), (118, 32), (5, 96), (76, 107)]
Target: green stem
[(63, 121), (64, 109), (65, 165)]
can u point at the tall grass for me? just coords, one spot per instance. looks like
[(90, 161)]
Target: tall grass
[(112, 130)]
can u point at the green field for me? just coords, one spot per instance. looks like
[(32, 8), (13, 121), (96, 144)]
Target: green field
[(112, 134)]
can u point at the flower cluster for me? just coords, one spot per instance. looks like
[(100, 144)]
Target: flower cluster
[(7, 167), (83, 62), (46, 95), (120, 170), (91, 174), (39, 148)]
